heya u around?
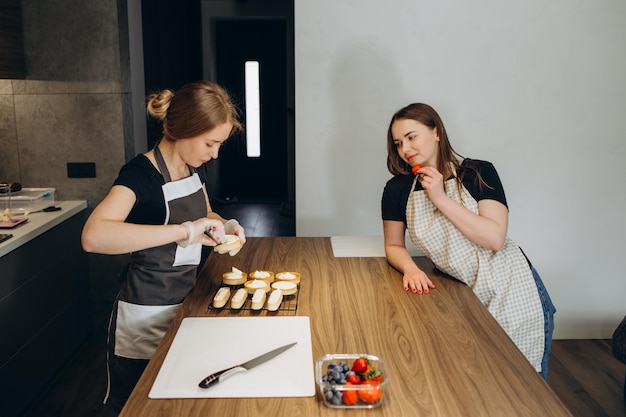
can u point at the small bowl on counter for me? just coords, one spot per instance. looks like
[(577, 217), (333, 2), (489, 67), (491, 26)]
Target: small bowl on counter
[(351, 380)]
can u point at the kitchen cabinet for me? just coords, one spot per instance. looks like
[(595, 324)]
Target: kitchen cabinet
[(44, 303), (12, 59)]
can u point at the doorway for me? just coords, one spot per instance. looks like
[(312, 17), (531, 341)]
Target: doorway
[(261, 178)]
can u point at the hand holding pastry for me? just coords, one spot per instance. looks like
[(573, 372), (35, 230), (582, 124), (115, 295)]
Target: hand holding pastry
[(230, 244), (196, 232), (234, 239)]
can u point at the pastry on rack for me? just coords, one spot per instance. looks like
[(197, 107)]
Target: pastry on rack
[(287, 288), (221, 297), (288, 276), (256, 284), (234, 277), (264, 275), (238, 300), (258, 299), (274, 300)]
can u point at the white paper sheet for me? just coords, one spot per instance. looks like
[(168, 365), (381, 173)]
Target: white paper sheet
[(364, 246)]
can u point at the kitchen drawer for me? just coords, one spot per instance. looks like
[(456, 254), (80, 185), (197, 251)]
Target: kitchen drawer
[(37, 364), (24, 263), (36, 303)]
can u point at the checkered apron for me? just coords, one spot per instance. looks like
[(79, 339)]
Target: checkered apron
[(501, 280)]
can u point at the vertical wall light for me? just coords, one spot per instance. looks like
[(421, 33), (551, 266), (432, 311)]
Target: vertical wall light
[(253, 110)]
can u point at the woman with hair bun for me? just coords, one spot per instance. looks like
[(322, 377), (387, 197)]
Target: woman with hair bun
[(456, 213), (158, 210)]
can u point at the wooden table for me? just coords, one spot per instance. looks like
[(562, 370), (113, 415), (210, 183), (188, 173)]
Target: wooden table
[(445, 354)]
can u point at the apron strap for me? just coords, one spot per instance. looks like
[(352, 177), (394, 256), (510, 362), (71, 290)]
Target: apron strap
[(161, 163), (158, 156)]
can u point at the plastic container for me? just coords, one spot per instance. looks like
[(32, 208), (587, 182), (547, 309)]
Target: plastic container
[(340, 395), (5, 196), (29, 199)]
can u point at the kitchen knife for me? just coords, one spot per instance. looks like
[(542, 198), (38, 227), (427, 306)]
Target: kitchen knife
[(209, 233), (46, 210), (246, 366)]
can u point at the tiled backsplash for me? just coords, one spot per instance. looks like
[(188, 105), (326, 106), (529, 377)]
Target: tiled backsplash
[(46, 124)]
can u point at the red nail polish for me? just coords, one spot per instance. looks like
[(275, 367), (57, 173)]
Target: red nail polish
[(426, 291), (406, 288), (414, 290), (419, 291)]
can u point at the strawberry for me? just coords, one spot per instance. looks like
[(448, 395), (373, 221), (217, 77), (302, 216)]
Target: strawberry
[(354, 379), (375, 375), (350, 396), (370, 394), (360, 365)]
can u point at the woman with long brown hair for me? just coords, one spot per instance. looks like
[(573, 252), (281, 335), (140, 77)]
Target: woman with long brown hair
[(456, 213)]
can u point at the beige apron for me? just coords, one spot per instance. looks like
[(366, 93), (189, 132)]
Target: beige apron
[(501, 280)]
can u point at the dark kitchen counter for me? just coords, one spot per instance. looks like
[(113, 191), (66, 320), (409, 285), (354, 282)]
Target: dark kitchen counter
[(45, 312)]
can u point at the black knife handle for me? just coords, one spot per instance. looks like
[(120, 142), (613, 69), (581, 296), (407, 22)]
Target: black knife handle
[(215, 377), (210, 380)]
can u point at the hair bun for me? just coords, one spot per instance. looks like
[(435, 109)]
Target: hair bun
[(158, 103)]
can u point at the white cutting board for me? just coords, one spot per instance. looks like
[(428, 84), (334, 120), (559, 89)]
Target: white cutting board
[(204, 345)]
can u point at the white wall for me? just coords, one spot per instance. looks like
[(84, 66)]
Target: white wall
[(538, 88)]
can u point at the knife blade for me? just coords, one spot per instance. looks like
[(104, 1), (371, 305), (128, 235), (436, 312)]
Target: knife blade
[(216, 377)]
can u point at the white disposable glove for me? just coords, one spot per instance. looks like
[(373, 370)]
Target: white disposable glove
[(196, 232), (232, 227)]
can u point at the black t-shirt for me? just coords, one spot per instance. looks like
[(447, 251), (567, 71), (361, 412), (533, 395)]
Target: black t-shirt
[(398, 188), (145, 181)]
